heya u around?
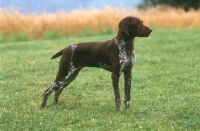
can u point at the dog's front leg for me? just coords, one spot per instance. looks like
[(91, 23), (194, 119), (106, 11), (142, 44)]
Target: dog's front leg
[(115, 82), (127, 87)]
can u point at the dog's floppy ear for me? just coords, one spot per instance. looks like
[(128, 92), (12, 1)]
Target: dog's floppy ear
[(124, 25)]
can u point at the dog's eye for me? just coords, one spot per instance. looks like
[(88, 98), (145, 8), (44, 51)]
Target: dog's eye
[(141, 22)]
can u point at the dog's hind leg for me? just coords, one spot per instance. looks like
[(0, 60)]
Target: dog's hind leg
[(57, 94), (48, 92), (66, 81)]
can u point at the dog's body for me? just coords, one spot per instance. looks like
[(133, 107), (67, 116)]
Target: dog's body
[(116, 55)]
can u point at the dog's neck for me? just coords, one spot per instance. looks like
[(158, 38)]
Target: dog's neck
[(127, 39)]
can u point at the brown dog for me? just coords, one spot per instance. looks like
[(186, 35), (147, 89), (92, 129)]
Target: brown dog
[(116, 55)]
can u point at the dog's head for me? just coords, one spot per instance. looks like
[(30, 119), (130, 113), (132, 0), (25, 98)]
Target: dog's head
[(133, 26)]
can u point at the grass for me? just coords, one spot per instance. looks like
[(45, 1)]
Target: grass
[(165, 86)]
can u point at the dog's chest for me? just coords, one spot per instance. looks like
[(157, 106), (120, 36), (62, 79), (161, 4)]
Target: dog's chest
[(127, 56)]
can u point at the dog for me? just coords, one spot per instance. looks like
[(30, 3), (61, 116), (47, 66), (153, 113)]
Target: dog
[(116, 55)]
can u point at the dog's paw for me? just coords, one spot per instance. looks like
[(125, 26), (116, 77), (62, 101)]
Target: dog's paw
[(127, 104), (119, 109), (41, 107)]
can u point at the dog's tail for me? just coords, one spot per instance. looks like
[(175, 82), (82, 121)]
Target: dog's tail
[(57, 54)]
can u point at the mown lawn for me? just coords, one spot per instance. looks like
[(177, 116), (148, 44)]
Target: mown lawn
[(165, 86)]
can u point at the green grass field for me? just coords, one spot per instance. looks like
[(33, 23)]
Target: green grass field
[(165, 86)]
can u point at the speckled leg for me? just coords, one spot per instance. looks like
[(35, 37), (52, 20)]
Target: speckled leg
[(66, 82), (48, 92), (57, 94), (127, 87), (115, 80)]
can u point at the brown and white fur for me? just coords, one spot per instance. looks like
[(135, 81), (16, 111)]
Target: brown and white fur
[(116, 55)]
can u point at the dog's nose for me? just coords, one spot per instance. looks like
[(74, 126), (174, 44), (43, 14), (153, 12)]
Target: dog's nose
[(150, 29)]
